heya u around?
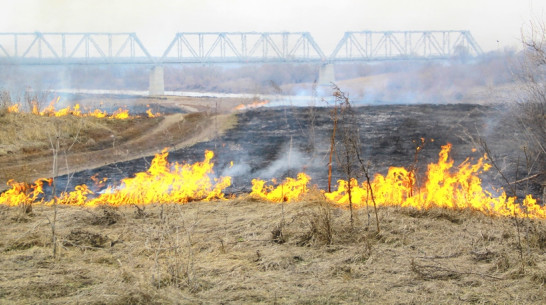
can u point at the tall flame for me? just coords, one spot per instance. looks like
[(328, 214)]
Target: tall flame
[(161, 183), (167, 183), (22, 193), (444, 187)]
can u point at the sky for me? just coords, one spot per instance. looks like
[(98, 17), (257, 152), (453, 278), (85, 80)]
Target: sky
[(495, 24)]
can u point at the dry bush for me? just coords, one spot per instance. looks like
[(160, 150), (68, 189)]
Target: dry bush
[(319, 224), (86, 238), (530, 111), (105, 215), (27, 241)]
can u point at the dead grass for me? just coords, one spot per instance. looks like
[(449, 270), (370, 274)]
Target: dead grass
[(25, 149), (27, 133), (229, 252)]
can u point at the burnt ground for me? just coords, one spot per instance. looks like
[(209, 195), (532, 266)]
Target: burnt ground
[(246, 251), (279, 142)]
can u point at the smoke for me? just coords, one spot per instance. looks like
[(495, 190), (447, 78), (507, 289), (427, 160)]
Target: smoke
[(289, 160), (237, 170)]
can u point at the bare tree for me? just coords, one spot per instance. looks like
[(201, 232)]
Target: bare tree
[(531, 108), (348, 149)]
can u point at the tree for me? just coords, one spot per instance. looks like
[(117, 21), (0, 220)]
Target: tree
[(531, 109)]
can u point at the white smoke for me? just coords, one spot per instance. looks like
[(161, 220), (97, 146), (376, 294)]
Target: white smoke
[(289, 158)]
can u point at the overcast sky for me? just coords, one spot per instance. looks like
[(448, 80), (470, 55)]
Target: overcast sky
[(156, 21)]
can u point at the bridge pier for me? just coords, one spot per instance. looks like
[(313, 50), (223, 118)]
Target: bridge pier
[(326, 75), (157, 81)]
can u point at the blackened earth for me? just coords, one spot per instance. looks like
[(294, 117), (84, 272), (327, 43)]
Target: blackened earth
[(280, 142)]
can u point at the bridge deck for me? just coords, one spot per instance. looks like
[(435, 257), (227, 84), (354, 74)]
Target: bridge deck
[(231, 47)]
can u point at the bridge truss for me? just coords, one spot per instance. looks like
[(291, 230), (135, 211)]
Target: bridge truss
[(72, 48), (242, 48), (392, 45), (232, 47)]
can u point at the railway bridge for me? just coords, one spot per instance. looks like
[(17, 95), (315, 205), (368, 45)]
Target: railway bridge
[(59, 48)]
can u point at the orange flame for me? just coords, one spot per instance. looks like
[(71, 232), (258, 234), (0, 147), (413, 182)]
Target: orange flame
[(252, 105), (444, 188), (289, 190), (167, 183), (161, 183), (13, 108), (98, 113), (151, 114), (22, 193), (50, 111), (121, 114)]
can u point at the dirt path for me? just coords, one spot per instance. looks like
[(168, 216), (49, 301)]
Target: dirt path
[(175, 131)]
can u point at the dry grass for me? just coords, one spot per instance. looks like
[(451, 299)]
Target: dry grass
[(28, 133), (25, 148), (230, 252)]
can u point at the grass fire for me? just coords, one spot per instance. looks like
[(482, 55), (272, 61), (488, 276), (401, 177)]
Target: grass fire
[(120, 113), (443, 187), (186, 200)]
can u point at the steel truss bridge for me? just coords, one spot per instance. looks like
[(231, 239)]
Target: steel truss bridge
[(231, 47)]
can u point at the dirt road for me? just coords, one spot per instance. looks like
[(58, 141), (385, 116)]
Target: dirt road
[(201, 120)]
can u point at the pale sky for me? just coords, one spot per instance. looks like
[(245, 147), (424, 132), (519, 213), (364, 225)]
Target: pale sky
[(156, 21)]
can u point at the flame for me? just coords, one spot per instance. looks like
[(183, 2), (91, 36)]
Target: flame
[(161, 183), (22, 193), (252, 105), (289, 190), (444, 187), (167, 183), (98, 113), (35, 110), (77, 197), (151, 114), (121, 114), (50, 111), (13, 108)]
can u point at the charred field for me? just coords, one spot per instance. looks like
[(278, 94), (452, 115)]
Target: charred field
[(247, 251), (279, 142)]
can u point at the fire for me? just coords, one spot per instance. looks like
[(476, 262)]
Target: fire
[(13, 108), (444, 187), (163, 182), (121, 114), (167, 183), (289, 190), (151, 114), (98, 113), (50, 111), (252, 105), (22, 193)]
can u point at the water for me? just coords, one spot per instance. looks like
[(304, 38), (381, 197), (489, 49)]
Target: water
[(274, 100)]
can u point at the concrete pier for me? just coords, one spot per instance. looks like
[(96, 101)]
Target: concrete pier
[(326, 75), (157, 82)]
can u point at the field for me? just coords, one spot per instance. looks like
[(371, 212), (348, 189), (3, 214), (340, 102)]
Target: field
[(25, 149), (243, 250)]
